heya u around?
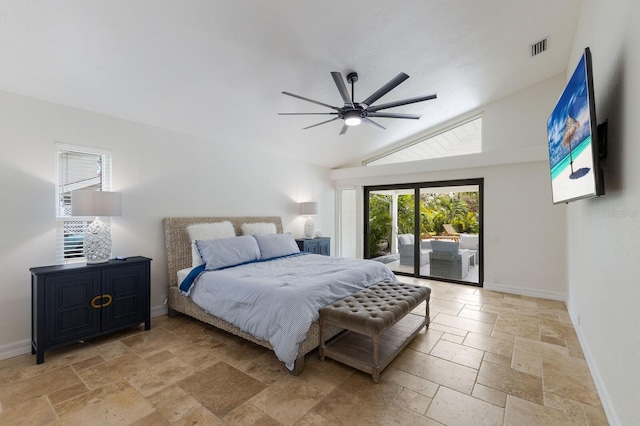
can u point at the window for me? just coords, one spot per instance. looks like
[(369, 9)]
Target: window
[(461, 139), (76, 168), (346, 221)]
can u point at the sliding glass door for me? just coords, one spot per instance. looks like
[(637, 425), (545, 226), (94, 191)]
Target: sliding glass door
[(428, 230)]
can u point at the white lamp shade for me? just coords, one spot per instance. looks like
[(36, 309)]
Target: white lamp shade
[(96, 203), (308, 208)]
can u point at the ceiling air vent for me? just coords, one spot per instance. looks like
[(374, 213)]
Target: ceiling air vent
[(539, 47)]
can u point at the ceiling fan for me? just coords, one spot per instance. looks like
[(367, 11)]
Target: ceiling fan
[(353, 113)]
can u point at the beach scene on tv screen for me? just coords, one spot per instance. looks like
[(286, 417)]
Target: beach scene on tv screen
[(570, 139)]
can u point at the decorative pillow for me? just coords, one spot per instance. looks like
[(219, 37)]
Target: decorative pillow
[(276, 245), (207, 231), (469, 241), (224, 252), (258, 228), (448, 246), (405, 239)]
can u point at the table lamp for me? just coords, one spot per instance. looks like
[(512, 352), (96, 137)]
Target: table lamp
[(97, 238), (309, 209)]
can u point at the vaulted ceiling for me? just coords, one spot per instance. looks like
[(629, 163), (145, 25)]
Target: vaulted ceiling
[(216, 69)]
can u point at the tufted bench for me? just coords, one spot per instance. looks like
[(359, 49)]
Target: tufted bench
[(379, 323)]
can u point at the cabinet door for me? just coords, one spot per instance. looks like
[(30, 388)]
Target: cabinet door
[(324, 247), (127, 287), (69, 314), (313, 247)]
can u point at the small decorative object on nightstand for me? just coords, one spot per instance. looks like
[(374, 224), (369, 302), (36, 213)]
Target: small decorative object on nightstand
[(78, 301), (321, 245), (309, 209)]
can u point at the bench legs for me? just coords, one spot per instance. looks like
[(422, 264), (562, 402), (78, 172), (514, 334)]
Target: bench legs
[(375, 369)]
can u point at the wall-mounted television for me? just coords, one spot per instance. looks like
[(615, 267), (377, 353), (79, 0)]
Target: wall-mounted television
[(574, 149)]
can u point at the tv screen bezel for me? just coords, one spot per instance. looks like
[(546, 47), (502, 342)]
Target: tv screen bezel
[(597, 188)]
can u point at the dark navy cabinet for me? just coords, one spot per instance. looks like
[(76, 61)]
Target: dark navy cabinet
[(320, 245), (78, 301)]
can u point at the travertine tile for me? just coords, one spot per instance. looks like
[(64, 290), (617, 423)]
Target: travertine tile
[(491, 344), (179, 367), (464, 324), (511, 381), (409, 381), (520, 412), (400, 416), (460, 354), (247, 414), (34, 411), (16, 393), (478, 315), (288, 399), (437, 370), (358, 401), (121, 406), (527, 362), (413, 401), (454, 408), (489, 395), (159, 376), (173, 403), (110, 371), (221, 387), (569, 381)]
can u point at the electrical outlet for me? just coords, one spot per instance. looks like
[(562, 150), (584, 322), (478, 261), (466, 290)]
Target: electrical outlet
[(165, 300)]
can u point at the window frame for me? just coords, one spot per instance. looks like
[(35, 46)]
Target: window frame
[(66, 250)]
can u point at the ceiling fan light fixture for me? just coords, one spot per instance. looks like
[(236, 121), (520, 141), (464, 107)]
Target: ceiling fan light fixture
[(352, 118)]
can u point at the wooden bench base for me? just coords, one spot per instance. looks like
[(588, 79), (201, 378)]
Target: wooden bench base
[(372, 348)]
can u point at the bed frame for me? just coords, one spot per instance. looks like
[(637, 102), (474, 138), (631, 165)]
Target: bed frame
[(178, 246)]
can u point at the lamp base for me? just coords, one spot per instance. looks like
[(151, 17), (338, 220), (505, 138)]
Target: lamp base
[(309, 228), (97, 242)]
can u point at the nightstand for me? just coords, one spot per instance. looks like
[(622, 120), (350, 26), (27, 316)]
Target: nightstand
[(320, 245), (75, 302)]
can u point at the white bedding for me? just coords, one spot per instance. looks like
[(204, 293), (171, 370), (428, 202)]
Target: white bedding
[(277, 300)]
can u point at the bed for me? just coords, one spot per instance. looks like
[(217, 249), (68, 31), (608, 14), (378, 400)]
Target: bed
[(179, 256)]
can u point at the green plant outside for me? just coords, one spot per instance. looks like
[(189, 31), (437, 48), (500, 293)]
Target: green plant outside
[(459, 209)]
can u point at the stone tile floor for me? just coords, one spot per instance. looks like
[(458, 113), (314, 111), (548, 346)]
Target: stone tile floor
[(488, 358)]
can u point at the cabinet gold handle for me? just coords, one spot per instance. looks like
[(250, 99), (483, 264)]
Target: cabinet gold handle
[(109, 300), (96, 305)]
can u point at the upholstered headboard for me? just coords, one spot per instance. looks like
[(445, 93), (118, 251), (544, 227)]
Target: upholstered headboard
[(178, 243)]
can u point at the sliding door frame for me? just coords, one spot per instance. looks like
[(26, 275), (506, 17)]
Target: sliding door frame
[(417, 186)]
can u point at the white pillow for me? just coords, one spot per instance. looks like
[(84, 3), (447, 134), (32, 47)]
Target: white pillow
[(224, 252), (258, 228), (207, 231), (276, 245)]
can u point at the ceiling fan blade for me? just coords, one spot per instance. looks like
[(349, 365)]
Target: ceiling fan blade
[(324, 122), (342, 88), (373, 123), (392, 115), (307, 113), (385, 89), (344, 129), (403, 102), (310, 100)]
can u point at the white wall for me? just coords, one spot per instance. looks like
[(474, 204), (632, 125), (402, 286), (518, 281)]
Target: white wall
[(160, 174), (603, 233), (524, 234)]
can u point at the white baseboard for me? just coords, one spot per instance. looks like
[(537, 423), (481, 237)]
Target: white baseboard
[(24, 346), (523, 291), (14, 349), (156, 311), (605, 398)]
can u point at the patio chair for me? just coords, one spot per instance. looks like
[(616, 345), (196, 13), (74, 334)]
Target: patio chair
[(450, 230), (406, 250), (448, 261)]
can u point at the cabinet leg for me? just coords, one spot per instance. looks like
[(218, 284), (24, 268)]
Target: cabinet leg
[(39, 357)]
